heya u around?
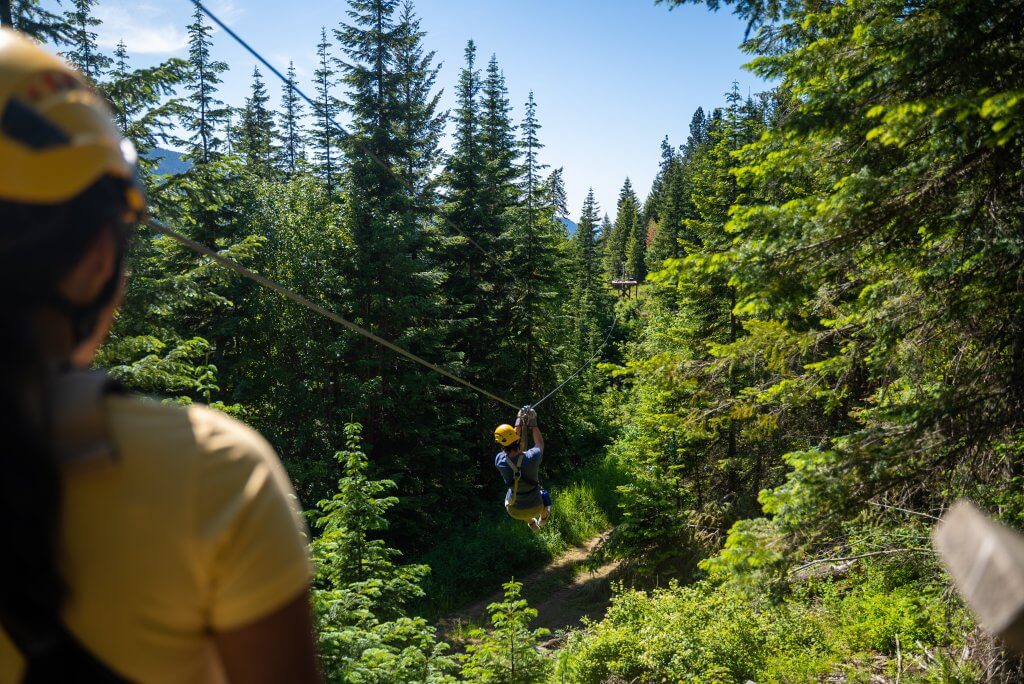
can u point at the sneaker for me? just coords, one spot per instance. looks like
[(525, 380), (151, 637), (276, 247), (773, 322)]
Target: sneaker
[(534, 524)]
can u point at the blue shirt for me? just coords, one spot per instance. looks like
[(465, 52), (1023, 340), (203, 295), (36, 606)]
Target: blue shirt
[(529, 494)]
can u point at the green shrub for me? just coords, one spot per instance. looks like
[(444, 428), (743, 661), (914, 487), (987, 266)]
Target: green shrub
[(727, 633)]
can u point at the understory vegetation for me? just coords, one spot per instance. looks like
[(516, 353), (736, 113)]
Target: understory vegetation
[(826, 349)]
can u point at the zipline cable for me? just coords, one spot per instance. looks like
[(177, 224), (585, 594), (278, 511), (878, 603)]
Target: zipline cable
[(316, 308), (340, 129), (581, 368)]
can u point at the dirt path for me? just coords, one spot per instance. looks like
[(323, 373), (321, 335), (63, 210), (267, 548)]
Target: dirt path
[(563, 592)]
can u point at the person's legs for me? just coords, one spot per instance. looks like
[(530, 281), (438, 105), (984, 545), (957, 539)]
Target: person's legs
[(547, 506)]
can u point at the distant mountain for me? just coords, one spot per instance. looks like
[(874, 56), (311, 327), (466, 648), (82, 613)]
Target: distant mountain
[(569, 224), (169, 162)]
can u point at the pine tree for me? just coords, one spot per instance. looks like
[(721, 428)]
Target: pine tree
[(627, 217), (292, 136), (587, 305), (554, 186), (535, 243), (207, 113), (509, 654), (256, 132), (419, 121), (699, 129), (394, 284), (85, 53), (361, 593), (325, 134), (497, 139), (32, 19), (471, 278)]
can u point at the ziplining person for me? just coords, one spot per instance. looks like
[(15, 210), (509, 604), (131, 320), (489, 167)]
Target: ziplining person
[(143, 541), (526, 499)]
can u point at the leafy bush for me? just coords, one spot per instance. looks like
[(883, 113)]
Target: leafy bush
[(727, 633)]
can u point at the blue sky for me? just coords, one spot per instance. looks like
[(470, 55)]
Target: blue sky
[(611, 77)]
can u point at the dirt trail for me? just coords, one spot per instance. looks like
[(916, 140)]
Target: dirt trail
[(563, 592)]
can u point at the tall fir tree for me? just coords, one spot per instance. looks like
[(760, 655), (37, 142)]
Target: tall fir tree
[(417, 104), (588, 280), (325, 134), (554, 186), (255, 138), (85, 54), (207, 114), (395, 286), (627, 217), (497, 138), (292, 137), (470, 281), (144, 102), (535, 245)]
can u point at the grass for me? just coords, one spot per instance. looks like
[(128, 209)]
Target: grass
[(474, 560)]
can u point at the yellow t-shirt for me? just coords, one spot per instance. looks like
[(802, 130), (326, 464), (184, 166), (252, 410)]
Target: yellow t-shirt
[(193, 528)]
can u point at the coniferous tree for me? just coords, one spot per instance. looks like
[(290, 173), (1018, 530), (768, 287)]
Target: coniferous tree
[(497, 139), (420, 122), (626, 219), (144, 102), (32, 19), (508, 654), (471, 269), (256, 132), (536, 240), (206, 112), (554, 185), (325, 133), (361, 592), (588, 307), (85, 54), (395, 286), (292, 136)]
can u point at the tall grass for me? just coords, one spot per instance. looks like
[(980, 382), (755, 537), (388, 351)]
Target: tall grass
[(474, 560)]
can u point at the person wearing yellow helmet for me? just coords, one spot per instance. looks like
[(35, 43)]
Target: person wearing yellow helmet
[(526, 499), (141, 541)]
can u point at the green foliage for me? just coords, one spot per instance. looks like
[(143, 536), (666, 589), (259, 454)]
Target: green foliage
[(360, 593), (509, 653), (827, 627)]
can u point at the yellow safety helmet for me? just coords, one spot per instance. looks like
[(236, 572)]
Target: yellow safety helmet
[(57, 137), (506, 435)]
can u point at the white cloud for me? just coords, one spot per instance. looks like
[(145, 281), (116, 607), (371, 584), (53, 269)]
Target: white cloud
[(143, 27), (227, 11), (146, 27)]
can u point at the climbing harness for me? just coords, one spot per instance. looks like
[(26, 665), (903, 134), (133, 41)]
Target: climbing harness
[(526, 416)]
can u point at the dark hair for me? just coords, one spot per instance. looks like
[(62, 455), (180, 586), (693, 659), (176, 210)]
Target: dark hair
[(39, 245)]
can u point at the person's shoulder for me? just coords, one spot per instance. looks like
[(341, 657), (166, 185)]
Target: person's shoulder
[(535, 452), (499, 458), (144, 425)]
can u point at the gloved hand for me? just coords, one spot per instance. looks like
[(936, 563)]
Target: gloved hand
[(528, 416)]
